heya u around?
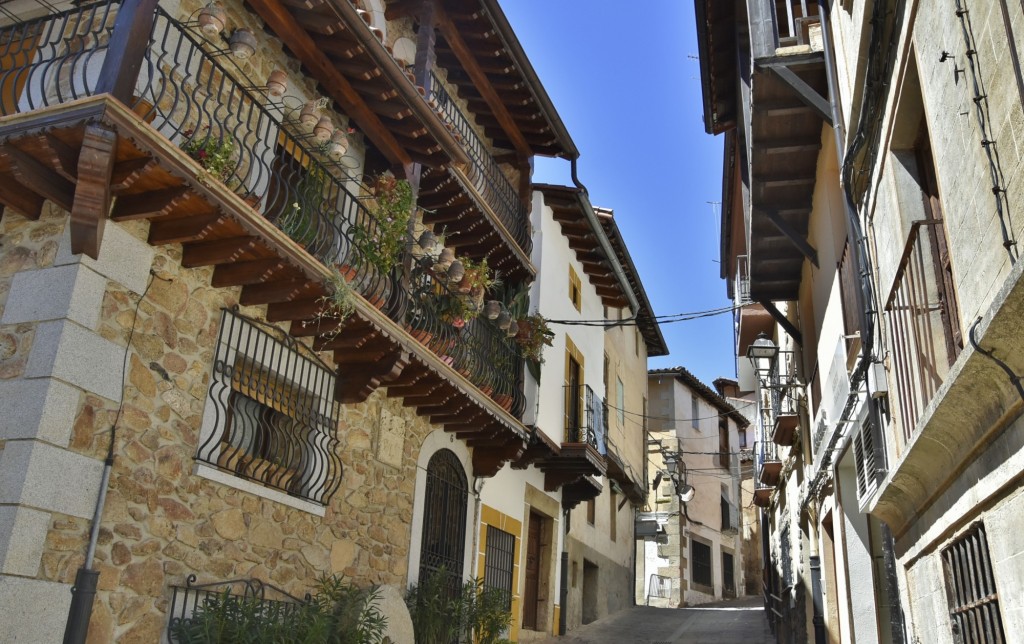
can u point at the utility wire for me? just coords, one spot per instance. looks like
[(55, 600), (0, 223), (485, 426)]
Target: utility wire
[(657, 319)]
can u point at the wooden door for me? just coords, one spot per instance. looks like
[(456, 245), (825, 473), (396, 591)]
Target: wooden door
[(530, 593)]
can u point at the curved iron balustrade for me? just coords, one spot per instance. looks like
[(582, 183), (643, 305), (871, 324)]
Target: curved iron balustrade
[(487, 177), (192, 98), (589, 424)]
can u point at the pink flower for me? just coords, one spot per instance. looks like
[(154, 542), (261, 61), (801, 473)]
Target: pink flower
[(458, 323)]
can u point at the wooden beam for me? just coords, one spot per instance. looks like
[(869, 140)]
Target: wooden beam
[(62, 156), (129, 171), (217, 251), (481, 82), (92, 195), (792, 235), (146, 205), (277, 291), (38, 178), (286, 311), (299, 42), (357, 382), (783, 321), (28, 204), (256, 271), (126, 49), (183, 229), (804, 92)]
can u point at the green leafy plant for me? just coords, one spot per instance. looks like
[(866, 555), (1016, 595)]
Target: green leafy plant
[(338, 613), (534, 334), (383, 240), (444, 610), (299, 219), (337, 305), (216, 154)]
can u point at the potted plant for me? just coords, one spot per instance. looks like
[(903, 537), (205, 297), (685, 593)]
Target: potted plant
[(532, 336), (382, 240), (216, 154)]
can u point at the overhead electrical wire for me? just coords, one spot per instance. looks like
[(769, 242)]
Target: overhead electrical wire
[(657, 319)]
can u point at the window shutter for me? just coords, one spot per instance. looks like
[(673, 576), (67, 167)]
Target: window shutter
[(864, 458)]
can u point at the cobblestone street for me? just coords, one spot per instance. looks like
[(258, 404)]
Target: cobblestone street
[(736, 622)]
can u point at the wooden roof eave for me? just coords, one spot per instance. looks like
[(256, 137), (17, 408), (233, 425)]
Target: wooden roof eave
[(409, 93)]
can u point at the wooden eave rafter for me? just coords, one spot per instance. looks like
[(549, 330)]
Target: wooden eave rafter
[(567, 210), (508, 79), (344, 56), (120, 156), (481, 81), (784, 153), (717, 25)]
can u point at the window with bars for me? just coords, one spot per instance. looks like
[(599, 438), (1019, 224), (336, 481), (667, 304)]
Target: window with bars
[(274, 416), (971, 590), (700, 566), (728, 574), (499, 561)]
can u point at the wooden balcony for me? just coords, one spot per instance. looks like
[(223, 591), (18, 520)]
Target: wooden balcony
[(768, 464), (619, 472), (583, 451), (255, 220), (784, 430), (782, 103), (583, 489), (763, 496)]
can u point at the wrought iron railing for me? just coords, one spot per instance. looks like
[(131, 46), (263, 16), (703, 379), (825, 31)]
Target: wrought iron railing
[(487, 177), (767, 452), (918, 323), (270, 602), (242, 138), (586, 417)]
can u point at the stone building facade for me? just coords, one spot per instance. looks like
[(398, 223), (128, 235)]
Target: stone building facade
[(877, 280), (170, 351)]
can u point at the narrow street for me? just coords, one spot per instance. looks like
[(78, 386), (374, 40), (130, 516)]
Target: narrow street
[(736, 622)]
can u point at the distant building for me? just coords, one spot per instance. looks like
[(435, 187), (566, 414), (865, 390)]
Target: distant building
[(694, 444)]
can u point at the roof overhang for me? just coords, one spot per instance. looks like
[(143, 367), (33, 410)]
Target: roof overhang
[(716, 43)]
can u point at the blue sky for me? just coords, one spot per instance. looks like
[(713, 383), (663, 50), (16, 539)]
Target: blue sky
[(625, 80)]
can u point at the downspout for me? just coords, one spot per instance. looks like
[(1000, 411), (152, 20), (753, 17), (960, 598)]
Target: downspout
[(563, 577), (606, 245), (864, 294), (474, 564)]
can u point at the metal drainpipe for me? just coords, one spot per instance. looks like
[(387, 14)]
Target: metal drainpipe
[(563, 578), (861, 266), (83, 593)]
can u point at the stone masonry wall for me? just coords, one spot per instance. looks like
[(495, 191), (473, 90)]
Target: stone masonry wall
[(161, 522)]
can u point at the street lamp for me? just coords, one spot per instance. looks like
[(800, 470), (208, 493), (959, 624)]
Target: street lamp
[(762, 353)]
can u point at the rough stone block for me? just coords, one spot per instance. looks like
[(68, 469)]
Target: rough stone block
[(65, 350), (42, 609), (22, 535), (47, 477), (123, 258), (392, 604), (42, 408), (74, 292)]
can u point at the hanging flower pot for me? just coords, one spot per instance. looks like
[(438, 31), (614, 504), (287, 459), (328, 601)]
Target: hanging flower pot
[(456, 271), (492, 309), (513, 329), (323, 129), (504, 320), (277, 83), (445, 259), (308, 115), (212, 19), (338, 145)]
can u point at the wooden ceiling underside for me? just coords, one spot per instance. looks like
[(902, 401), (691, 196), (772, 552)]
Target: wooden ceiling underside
[(351, 69), (719, 65), (42, 158), (568, 212), (448, 207), (785, 139), (473, 31)]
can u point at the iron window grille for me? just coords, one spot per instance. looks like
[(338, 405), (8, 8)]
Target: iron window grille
[(971, 590), (701, 571), (728, 574), (499, 559), (274, 415), (444, 520)]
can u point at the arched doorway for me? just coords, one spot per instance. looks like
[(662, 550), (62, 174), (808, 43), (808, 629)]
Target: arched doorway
[(444, 518)]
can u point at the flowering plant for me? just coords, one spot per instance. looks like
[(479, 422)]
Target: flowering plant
[(383, 239), (534, 334), (215, 154)]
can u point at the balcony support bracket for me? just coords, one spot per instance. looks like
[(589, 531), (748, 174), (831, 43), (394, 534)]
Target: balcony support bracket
[(804, 92), (783, 321), (92, 194), (792, 235)]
